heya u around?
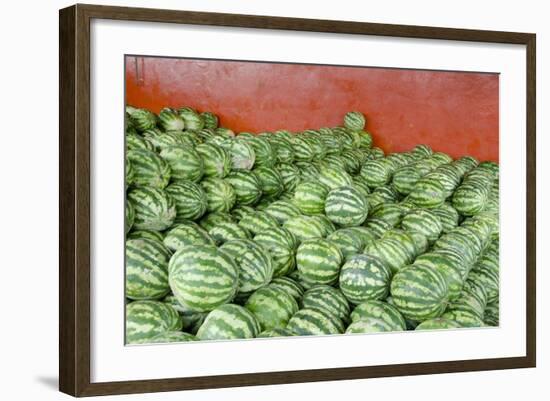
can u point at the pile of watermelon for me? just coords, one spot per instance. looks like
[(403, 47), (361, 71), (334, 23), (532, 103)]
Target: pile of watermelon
[(237, 236)]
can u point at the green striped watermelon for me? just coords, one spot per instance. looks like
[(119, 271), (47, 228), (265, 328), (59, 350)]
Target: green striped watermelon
[(346, 206), (452, 272), (169, 120), (246, 184), (190, 318), (193, 121), (334, 177), (310, 197), (419, 292), (392, 253), (270, 180), (348, 241), (288, 285), (210, 120), (423, 221), (448, 216), (318, 261), (305, 227), (265, 154), (254, 262), (129, 216), (147, 319), (227, 231), (438, 323), (172, 337), (328, 299), (217, 161), (379, 310), (290, 176), (282, 147), (258, 222), (189, 198), (141, 119), (278, 332), (281, 245), (220, 195), (363, 278), (405, 239), (154, 209), (211, 220), (428, 193), (149, 169), (392, 213), (149, 234), (282, 210), (464, 318), (203, 277), (242, 154), (314, 322), (138, 142), (228, 322), (368, 325), (146, 269), (272, 307), (185, 234), (354, 120), (376, 172), (303, 150)]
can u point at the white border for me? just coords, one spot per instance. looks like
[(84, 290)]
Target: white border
[(111, 361)]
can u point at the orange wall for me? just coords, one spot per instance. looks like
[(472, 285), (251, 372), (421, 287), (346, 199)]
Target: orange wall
[(453, 112)]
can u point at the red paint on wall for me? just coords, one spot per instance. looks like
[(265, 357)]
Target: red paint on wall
[(453, 112)]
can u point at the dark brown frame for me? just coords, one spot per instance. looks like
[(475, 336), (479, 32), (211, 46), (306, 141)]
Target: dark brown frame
[(74, 199)]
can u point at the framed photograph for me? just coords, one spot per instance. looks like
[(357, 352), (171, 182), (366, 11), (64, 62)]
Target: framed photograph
[(249, 200)]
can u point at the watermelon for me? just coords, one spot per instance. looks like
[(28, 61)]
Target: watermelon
[(392, 253), (227, 231), (428, 193), (282, 147), (347, 241), (169, 120), (288, 285), (354, 120), (228, 322), (149, 234), (191, 320), (265, 154), (147, 319), (363, 278), (310, 197), (405, 178), (305, 227), (438, 323), (378, 227), (211, 220), (281, 245), (421, 151), (254, 262), (308, 322), (391, 213), (334, 177), (376, 172), (470, 197), (193, 121), (379, 310), (247, 187), (185, 234), (242, 154), (210, 120), (318, 261), (424, 222), (154, 209), (328, 299), (419, 292), (216, 160), (146, 269), (240, 212), (302, 148), (290, 176), (368, 325), (452, 271), (172, 337), (141, 119), (278, 332), (405, 239), (189, 198), (270, 180), (346, 206), (224, 132), (220, 195), (282, 210), (258, 222), (448, 216), (464, 318), (149, 169), (129, 216), (272, 307), (203, 277), (138, 142)]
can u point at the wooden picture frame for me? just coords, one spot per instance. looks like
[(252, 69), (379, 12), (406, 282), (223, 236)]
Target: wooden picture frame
[(74, 199)]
